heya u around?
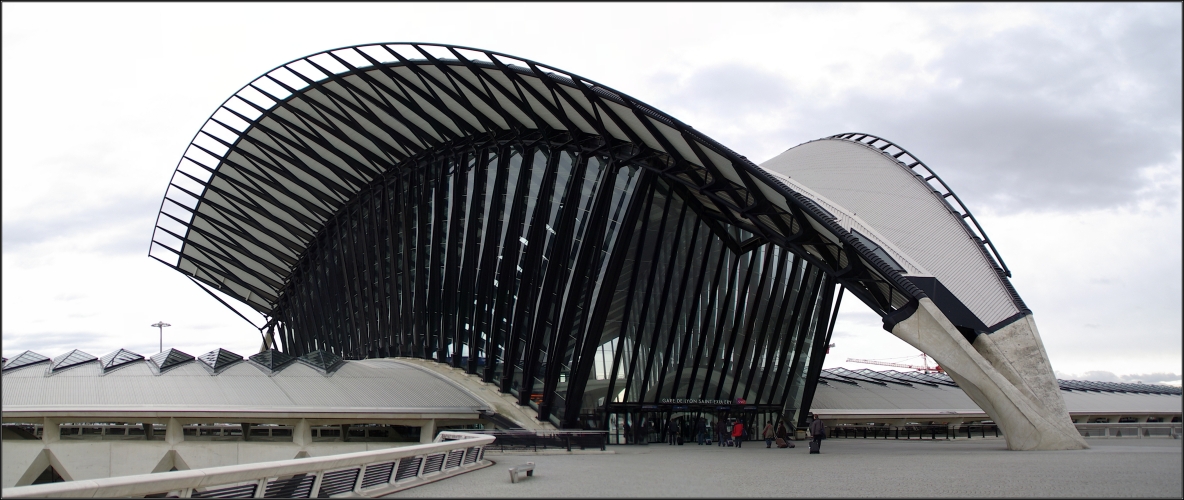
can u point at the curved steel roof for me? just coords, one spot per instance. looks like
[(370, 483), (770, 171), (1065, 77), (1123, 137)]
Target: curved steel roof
[(283, 155), (898, 202)]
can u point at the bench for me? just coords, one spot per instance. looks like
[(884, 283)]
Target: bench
[(527, 467)]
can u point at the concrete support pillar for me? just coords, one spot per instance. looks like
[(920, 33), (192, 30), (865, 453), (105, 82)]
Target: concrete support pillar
[(50, 432), (344, 433), (302, 434), (173, 432), (427, 432), (1006, 373), (149, 431), (246, 431)]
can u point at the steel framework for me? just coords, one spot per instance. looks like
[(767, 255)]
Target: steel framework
[(558, 238)]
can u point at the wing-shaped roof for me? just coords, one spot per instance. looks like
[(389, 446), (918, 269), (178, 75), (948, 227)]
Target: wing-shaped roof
[(279, 158), (885, 195)]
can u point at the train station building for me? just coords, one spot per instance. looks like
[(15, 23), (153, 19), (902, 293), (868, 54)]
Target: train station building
[(589, 257), (592, 257)]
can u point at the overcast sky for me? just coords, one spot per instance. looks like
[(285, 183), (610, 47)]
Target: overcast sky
[(1059, 126)]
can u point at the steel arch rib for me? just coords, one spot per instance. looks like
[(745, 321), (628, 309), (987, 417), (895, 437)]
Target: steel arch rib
[(526, 100)]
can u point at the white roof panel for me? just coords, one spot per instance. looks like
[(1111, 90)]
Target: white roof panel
[(382, 385), (904, 210)]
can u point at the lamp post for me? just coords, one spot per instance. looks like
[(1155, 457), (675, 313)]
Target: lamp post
[(160, 325)]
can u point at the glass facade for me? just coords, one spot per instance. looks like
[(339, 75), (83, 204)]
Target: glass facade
[(573, 277), (583, 251)]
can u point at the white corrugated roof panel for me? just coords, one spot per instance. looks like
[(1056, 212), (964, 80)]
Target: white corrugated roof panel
[(382, 385), (902, 208)]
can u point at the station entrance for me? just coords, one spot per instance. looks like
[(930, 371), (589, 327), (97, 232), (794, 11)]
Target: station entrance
[(643, 424)]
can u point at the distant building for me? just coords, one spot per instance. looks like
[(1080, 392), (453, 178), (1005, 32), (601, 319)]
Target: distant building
[(77, 416)]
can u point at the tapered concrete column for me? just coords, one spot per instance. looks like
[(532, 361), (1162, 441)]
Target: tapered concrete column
[(1006, 373), (50, 430), (427, 432), (173, 432), (302, 434)]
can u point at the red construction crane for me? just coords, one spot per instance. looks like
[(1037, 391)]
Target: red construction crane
[(924, 358)]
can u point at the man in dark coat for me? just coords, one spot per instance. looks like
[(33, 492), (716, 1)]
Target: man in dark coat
[(817, 433)]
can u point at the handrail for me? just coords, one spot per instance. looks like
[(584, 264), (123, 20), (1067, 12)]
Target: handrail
[(366, 473)]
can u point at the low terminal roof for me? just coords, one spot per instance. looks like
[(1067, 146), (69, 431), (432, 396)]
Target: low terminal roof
[(843, 391), (372, 386)]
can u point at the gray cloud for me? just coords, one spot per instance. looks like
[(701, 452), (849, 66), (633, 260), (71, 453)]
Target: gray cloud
[(1028, 118), (54, 343), (123, 225), (1106, 376)]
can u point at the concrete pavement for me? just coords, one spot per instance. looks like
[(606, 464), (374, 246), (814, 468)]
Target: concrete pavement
[(846, 468)]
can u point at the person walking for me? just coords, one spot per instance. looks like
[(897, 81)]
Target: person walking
[(783, 436), (817, 434), (768, 434), (700, 430), (672, 431), (738, 433), (720, 429)]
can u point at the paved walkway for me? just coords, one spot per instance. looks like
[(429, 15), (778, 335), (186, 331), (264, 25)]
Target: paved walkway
[(846, 468)]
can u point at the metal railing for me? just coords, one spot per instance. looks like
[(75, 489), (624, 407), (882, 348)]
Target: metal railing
[(1130, 430), (367, 473), (969, 430), (534, 440), (911, 431)]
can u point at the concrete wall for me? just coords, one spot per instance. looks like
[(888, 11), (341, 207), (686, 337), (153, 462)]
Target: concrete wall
[(23, 459)]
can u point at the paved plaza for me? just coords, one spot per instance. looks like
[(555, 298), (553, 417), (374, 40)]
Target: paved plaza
[(846, 468)]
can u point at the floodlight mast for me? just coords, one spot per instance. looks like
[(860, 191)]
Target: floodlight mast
[(160, 325)]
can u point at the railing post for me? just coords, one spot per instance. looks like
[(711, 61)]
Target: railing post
[(261, 487), (316, 485), (362, 472)]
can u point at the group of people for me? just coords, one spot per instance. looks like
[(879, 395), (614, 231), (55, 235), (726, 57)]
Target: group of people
[(732, 432), (725, 432)]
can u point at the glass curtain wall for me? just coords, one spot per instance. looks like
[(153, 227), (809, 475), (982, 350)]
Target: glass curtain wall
[(567, 272)]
